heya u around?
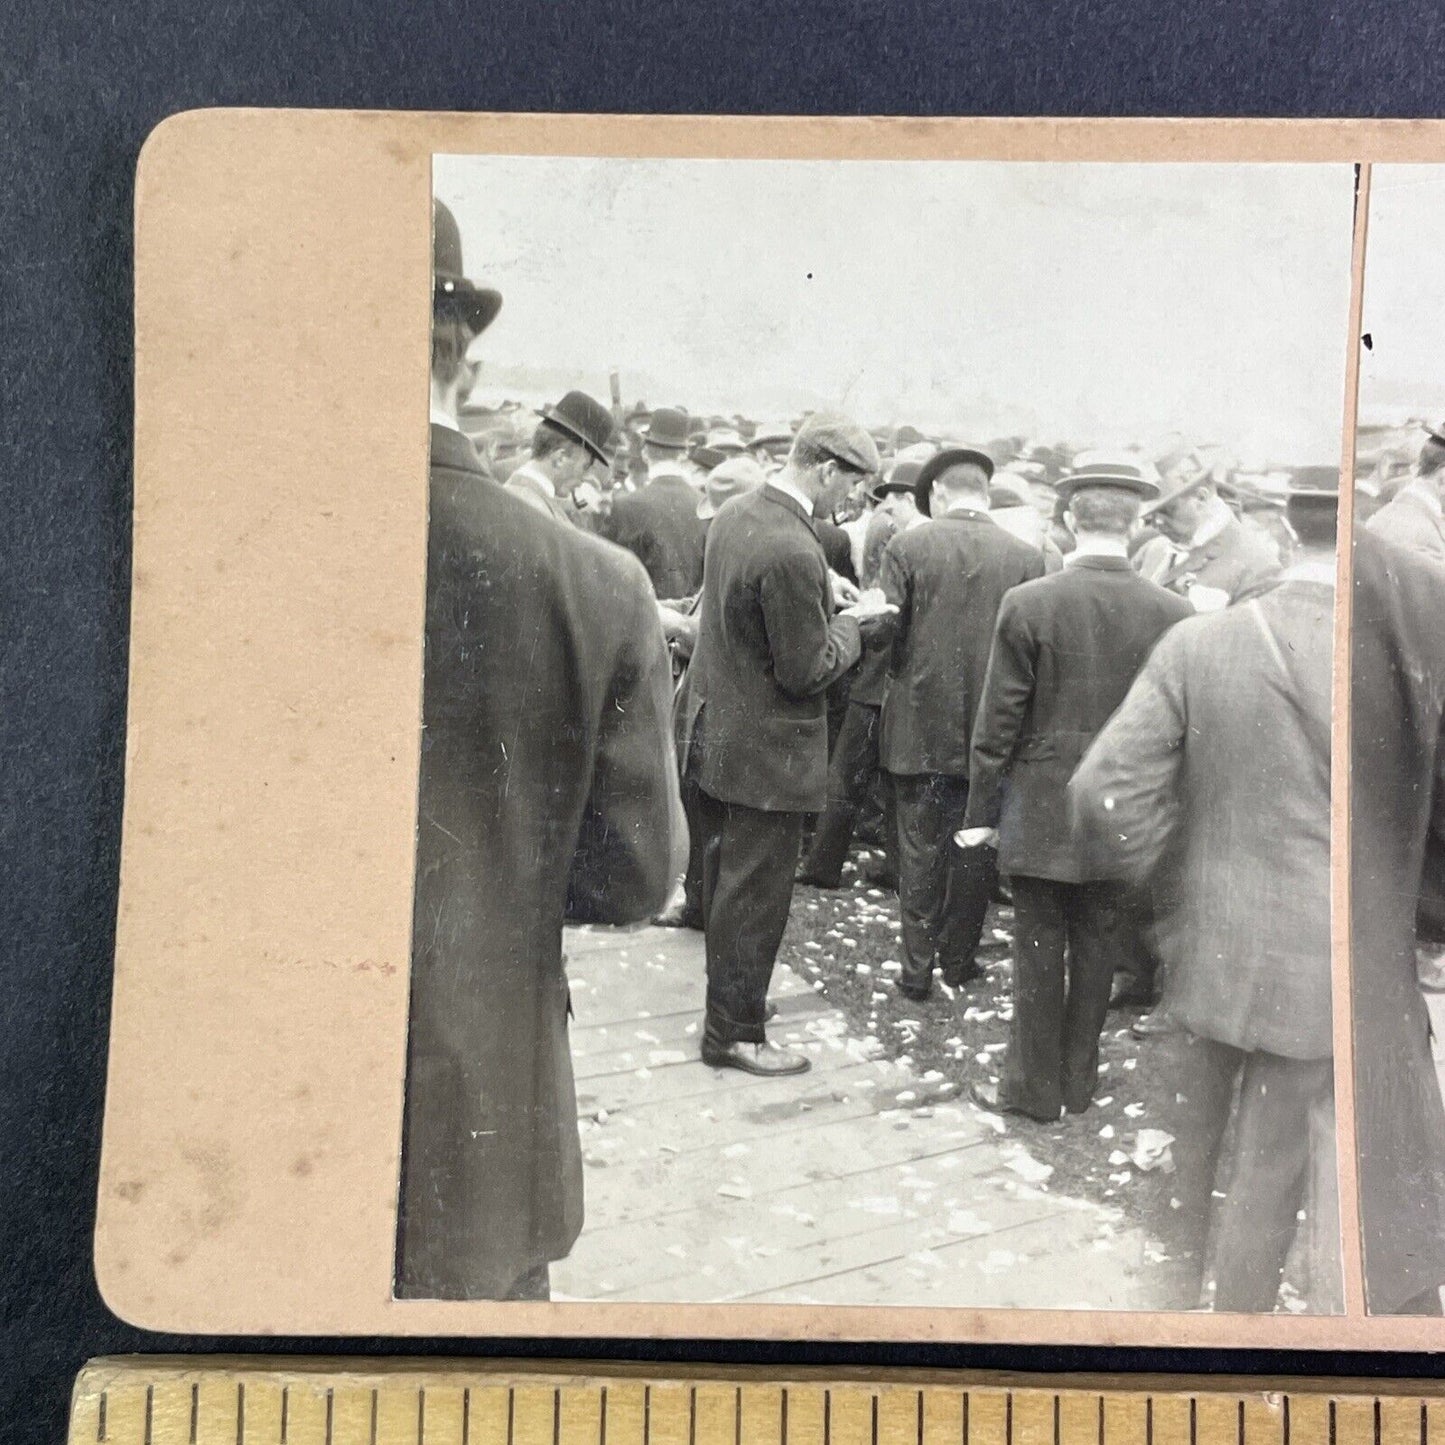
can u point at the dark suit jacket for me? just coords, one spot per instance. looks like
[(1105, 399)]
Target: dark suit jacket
[(1409, 521), (547, 783), (947, 579), (837, 547), (1397, 849), (768, 648), (1212, 781), (1237, 560), (659, 525), (1066, 649)]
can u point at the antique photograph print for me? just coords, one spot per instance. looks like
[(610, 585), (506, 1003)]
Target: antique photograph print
[(873, 821), (1397, 767)]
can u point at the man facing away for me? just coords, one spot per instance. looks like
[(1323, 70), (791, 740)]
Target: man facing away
[(1214, 777), (947, 580), (756, 739), (1414, 518), (547, 786), (659, 524), (1066, 649), (573, 444)]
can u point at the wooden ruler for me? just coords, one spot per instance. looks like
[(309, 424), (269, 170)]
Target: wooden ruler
[(260, 1401)]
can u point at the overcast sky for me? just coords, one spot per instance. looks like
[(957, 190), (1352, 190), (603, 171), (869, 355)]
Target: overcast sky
[(1404, 303), (1094, 303)]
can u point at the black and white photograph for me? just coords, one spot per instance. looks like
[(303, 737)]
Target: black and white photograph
[(1397, 779), (873, 822)]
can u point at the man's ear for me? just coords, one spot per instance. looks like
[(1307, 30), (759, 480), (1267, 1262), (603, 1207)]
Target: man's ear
[(1069, 522)]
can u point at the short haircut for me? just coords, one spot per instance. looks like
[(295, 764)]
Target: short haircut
[(1432, 458), (1109, 511), (963, 477), (450, 338), (548, 439)]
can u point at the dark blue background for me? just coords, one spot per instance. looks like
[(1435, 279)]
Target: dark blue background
[(81, 84)]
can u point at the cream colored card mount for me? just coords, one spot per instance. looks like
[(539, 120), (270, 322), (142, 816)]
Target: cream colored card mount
[(398, 1045)]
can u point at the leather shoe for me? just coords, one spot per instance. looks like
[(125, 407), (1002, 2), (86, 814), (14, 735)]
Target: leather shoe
[(765, 1059), (811, 880), (680, 916), (988, 1096), (959, 977)]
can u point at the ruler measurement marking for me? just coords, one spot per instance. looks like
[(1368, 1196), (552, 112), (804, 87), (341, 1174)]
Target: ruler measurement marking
[(556, 1418), (511, 1411), (150, 1411), (602, 1419), (241, 1413), (195, 1412), (920, 1421), (1240, 1425), (691, 1416), (875, 1421), (738, 1416), (100, 1421), (647, 1414), (330, 1413), (467, 1415), (827, 1417), (421, 1415), (1149, 1421), (1193, 1421), (1424, 1423), (1377, 1420), (1056, 1421), (783, 1420), (1332, 1422), (1284, 1423), (285, 1412), (1101, 1420), (965, 1417), (373, 1418), (1008, 1418)]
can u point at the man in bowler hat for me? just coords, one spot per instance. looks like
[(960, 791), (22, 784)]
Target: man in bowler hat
[(1065, 651), (659, 524), (573, 443), (546, 785), (755, 735), (947, 580)]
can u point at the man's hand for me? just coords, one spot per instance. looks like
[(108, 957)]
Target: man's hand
[(844, 591), (870, 606), (976, 837)]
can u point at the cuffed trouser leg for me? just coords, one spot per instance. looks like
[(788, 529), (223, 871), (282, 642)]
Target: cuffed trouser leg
[(928, 813), (1031, 1079), (749, 860)]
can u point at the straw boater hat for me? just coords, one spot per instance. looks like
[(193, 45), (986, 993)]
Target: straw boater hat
[(1107, 469), (476, 305), (942, 462)]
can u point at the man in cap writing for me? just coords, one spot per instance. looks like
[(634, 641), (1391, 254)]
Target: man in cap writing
[(769, 645)]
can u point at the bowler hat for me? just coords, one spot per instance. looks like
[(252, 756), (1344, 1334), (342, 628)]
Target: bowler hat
[(942, 462), (1008, 490), (727, 480), (477, 305), (1102, 469), (900, 478), (667, 429), (584, 420)]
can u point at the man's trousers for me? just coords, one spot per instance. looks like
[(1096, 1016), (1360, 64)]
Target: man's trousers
[(1065, 946), (1271, 1101), (943, 890), (749, 858), (852, 771)]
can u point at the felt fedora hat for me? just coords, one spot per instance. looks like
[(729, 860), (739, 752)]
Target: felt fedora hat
[(667, 428), (586, 421), (942, 462), (1101, 469), (476, 305)]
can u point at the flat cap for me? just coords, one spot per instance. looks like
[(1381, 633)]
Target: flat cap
[(842, 438)]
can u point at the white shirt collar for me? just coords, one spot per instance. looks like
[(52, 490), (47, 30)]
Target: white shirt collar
[(672, 467), (439, 417), (1100, 547), (979, 508), (533, 473), (781, 484)]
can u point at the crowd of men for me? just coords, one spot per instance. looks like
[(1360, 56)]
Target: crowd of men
[(664, 656)]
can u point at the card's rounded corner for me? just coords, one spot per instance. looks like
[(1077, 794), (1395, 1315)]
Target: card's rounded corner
[(120, 1279), (172, 133)]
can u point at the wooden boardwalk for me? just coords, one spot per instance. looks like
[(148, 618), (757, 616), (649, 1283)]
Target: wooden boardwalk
[(856, 1183)]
